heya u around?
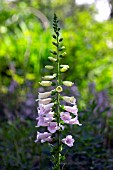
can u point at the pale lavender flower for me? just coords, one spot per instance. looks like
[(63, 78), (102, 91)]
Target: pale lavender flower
[(43, 137), (68, 140), (73, 109), (41, 110), (53, 127), (50, 115), (48, 139), (65, 116), (42, 121), (74, 121), (48, 106), (44, 109)]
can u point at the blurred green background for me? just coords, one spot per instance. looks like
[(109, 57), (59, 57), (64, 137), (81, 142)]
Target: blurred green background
[(25, 41)]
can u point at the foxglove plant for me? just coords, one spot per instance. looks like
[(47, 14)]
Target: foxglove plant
[(51, 114)]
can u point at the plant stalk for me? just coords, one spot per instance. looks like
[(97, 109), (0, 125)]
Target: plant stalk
[(58, 104)]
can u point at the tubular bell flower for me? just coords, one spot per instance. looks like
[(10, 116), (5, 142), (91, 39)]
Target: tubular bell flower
[(44, 95), (71, 100), (48, 106), (50, 115), (53, 127), (42, 121), (68, 140), (74, 121), (43, 137), (73, 109), (65, 116), (59, 89), (45, 101), (44, 109)]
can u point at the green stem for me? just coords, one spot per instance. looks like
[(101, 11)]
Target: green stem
[(58, 104)]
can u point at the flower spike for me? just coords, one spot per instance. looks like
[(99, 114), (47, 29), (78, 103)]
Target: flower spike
[(51, 114)]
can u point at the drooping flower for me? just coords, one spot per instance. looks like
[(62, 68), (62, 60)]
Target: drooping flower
[(45, 101), (73, 109), (44, 109), (65, 116), (43, 137), (59, 89), (48, 139), (53, 127), (44, 95), (68, 140), (48, 106), (45, 83), (42, 121), (68, 83), (71, 100), (74, 121), (50, 115)]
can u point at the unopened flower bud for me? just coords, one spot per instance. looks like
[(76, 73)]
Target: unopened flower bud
[(57, 33), (53, 52), (60, 39), (45, 83), (63, 54), (49, 67), (68, 83), (50, 77), (64, 68), (54, 43), (54, 36), (52, 59), (60, 49)]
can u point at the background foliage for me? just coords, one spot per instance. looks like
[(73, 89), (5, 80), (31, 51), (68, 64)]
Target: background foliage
[(25, 41)]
